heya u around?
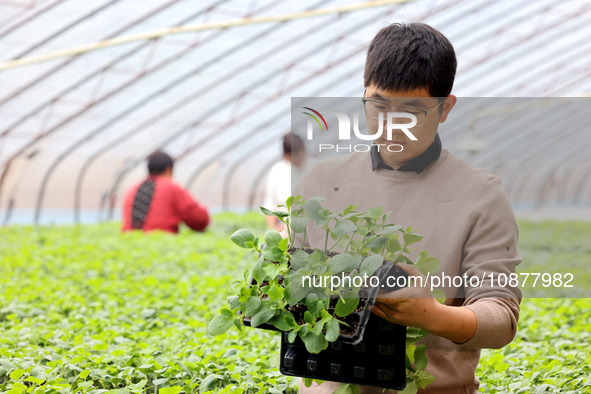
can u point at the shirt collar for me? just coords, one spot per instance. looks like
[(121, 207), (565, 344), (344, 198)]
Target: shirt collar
[(417, 164)]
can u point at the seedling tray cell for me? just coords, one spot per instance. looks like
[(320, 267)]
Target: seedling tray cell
[(374, 357), (377, 360)]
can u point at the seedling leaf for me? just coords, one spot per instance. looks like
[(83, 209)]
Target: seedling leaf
[(242, 237), (220, 324)]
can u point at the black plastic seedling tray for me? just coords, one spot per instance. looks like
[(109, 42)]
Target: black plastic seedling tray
[(377, 360), (374, 357)]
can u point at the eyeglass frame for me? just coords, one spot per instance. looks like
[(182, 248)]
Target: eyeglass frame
[(364, 100)]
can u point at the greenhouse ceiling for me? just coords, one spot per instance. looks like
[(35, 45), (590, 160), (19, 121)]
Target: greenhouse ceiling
[(76, 126)]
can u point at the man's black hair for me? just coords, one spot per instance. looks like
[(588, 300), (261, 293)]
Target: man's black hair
[(158, 162), (292, 143), (411, 56)]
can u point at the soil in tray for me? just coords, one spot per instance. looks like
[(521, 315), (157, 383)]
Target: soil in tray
[(352, 320), (266, 282), (298, 311)]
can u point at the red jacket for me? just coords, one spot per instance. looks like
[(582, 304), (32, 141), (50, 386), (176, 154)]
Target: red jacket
[(171, 204)]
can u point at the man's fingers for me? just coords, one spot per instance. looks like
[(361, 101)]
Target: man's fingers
[(377, 311)]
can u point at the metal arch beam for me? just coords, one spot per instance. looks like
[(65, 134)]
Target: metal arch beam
[(151, 35), (75, 85), (580, 189), (258, 179), (84, 79), (535, 170), (498, 140), (501, 13), (512, 183), (257, 148), (197, 144), (575, 180), (40, 11), (167, 111), (102, 69), (112, 121), (575, 49), (128, 167), (573, 82), (255, 131), (547, 166), (475, 36), (532, 169), (64, 29), (23, 89), (501, 144), (523, 39), (226, 201), (470, 79), (198, 121), (126, 112), (205, 138), (255, 182), (529, 163)]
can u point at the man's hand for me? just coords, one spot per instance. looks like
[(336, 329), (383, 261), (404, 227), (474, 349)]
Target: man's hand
[(415, 306), (411, 306)]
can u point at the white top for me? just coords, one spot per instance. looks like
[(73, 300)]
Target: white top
[(279, 182)]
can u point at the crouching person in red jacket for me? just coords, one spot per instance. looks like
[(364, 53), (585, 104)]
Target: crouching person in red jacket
[(158, 203)]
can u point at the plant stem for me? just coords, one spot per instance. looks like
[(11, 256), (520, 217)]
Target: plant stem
[(349, 244), (304, 239), (284, 221), (326, 241), (398, 254), (343, 323), (335, 243)]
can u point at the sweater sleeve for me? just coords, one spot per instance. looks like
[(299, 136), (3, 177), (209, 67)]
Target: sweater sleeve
[(490, 253), (190, 212)]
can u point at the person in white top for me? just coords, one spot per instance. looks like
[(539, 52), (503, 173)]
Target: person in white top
[(291, 167)]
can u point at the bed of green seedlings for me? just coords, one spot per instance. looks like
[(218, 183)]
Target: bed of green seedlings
[(87, 309)]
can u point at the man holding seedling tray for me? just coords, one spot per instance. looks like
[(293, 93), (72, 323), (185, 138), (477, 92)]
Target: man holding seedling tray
[(461, 211)]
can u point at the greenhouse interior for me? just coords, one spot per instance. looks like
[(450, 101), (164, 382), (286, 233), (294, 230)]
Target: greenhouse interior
[(101, 101)]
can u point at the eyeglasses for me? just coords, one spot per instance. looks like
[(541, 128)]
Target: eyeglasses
[(373, 108)]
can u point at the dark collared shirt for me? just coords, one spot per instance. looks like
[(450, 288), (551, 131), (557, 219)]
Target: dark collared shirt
[(417, 164)]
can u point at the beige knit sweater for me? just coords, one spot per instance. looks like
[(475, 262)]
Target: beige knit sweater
[(467, 223)]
